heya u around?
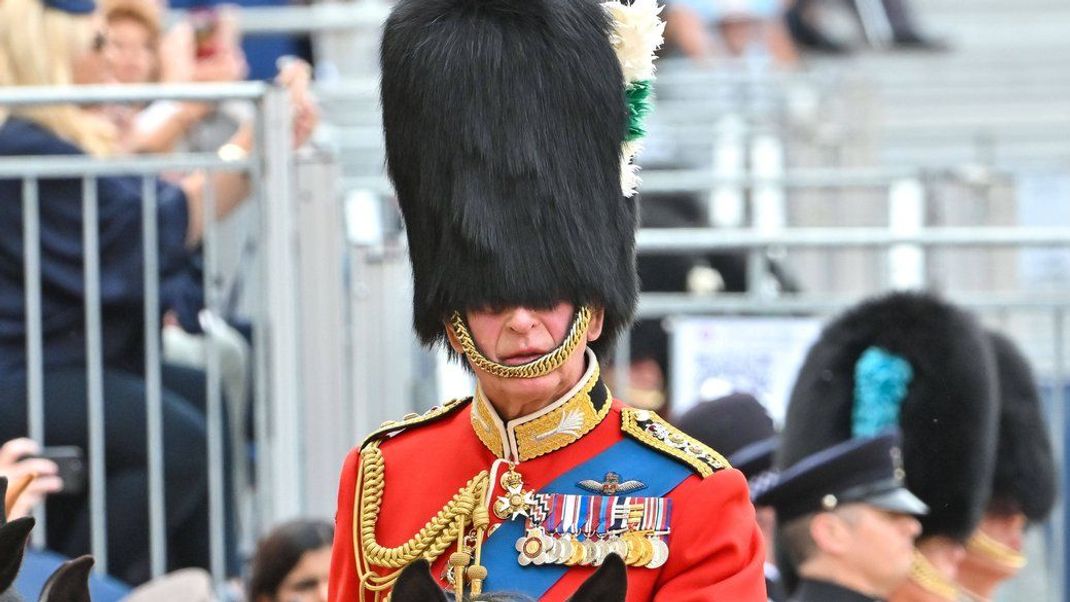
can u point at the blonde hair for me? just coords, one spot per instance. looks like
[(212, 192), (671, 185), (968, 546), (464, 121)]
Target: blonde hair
[(38, 47)]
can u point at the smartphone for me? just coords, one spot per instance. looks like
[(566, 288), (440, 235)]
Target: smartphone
[(72, 468), (205, 21)]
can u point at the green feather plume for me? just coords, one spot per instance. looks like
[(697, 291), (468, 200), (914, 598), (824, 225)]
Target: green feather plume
[(640, 96)]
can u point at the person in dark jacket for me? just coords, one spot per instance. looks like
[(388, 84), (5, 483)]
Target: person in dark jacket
[(740, 425), (55, 43), (847, 520)]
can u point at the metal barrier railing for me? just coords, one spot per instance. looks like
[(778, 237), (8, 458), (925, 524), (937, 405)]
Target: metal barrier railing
[(269, 167)]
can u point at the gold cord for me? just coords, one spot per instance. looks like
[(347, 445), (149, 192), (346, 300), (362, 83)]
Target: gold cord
[(985, 545), (538, 367), (430, 542), (927, 577)]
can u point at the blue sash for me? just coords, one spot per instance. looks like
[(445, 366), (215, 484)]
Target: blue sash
[(630, 459)]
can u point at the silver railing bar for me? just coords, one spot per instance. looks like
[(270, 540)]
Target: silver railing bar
[(654, 305), (95, 375), (153, 380), (214, 406), (77, 166), (695, 180), (35, 414), (677, 240), (1058, 433), (118, 93)]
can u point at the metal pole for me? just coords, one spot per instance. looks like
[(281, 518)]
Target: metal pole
[(95, 375), (906, 218), (1061, 431), (35, 410), (153, 385), (284, 340), (216, 489), (261, 399)]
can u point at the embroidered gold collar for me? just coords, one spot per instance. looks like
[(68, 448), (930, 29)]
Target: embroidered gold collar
[(557, 425)]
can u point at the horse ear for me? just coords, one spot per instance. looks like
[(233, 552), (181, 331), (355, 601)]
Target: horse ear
[(608, 584), (70, 582), (13, 538), (415, 584)]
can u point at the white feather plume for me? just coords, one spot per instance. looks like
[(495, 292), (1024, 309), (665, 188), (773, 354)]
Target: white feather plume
[(638, 32)]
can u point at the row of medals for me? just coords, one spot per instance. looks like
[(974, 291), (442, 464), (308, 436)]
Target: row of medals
[(637, 548)]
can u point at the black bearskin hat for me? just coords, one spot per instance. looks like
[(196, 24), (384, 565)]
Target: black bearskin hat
[(1025, 477), (504, 121), (926, 367)]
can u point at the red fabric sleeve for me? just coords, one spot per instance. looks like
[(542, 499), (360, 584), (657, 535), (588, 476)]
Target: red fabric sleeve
[(343, 584), (715, 549)]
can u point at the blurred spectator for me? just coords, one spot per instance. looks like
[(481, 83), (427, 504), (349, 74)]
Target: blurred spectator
[(263, 51), (137, 54), (873, 15), (16, 462), (739, 427), (701, 29), (292, 563), (60, 42)]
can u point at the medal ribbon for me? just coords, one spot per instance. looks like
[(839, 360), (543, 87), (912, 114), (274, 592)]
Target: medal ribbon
[(659, 472)]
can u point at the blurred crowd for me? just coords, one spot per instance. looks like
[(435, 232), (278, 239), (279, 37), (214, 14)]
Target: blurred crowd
[(782, 30), (64, 42)]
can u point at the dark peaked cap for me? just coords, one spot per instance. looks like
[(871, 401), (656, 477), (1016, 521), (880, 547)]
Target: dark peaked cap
[(1025, 465), (948, 417), (504, 121), (866, 470), (737, 426)]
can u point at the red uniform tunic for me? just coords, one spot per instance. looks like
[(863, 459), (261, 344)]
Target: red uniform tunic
[(715, 547)]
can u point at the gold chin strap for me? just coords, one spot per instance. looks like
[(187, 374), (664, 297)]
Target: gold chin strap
[(533, 369), (927, 577), (985, 545)]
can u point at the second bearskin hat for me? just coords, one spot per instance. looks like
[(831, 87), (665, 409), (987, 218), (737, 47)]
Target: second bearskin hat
[(504, 123), (913, 361), (1025, 477)]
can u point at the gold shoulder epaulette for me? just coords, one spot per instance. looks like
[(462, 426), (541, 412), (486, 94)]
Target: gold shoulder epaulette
[(414, 419), (653, 431)]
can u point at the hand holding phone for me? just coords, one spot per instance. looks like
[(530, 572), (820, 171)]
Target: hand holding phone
[(19, 459)]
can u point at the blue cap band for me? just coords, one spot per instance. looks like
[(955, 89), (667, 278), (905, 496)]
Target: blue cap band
[(75, 7)]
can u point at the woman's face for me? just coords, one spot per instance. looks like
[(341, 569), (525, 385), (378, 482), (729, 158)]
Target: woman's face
[(89, 65), (307, 582), (130, 52)]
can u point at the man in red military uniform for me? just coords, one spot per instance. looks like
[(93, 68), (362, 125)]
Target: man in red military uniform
[(506, 122)]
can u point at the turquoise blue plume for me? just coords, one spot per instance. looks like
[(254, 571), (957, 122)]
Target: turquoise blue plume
[(881, 382)]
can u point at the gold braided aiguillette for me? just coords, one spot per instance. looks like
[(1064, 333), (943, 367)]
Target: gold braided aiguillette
[(445, 529)]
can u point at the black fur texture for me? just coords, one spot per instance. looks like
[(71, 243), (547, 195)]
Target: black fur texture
[(504, 121), (948, 418), (1025, 474)]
